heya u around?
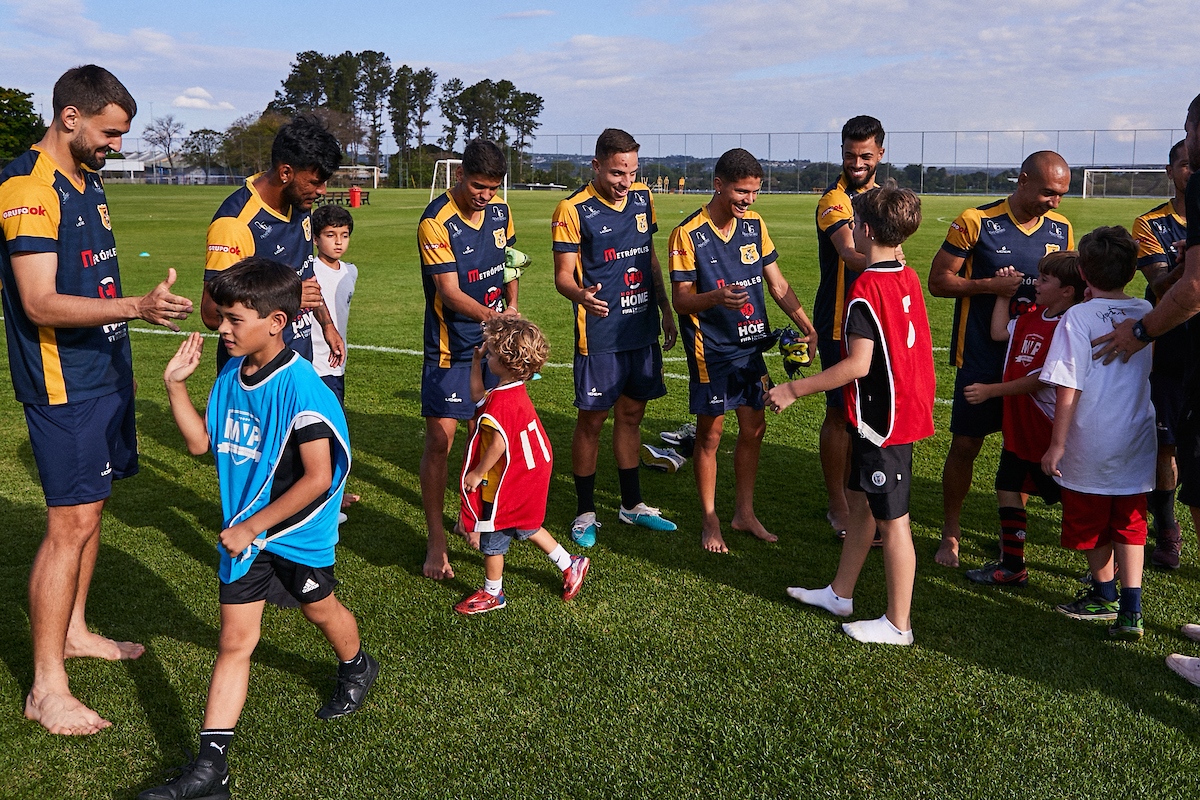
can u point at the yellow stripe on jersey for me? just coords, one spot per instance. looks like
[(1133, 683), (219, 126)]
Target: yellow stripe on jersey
[(961, 337), (56, 384), (581, 343), (443, 332), (701, 363)]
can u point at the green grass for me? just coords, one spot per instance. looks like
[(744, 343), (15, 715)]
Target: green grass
[(676, 672)]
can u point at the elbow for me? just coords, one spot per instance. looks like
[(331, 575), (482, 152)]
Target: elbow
[(198, 448), (37, 315)]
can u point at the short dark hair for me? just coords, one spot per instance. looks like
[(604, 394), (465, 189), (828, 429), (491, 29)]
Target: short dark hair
[(1175, 148), (612, 141), (1194, 109), (305, 143), (259, 283), (1064, 265), (863, 127), (1108, 257), (736, 164), (894, 214), (91, 89), (329, 216), (484, 158)]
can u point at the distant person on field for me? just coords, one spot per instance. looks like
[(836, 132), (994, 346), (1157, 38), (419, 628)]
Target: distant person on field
[(682, 180), (1014, 232), (509, 462), (68, 352), (1028, 408), (282, 453), (888, 378), (1103, 447), (721, 257)]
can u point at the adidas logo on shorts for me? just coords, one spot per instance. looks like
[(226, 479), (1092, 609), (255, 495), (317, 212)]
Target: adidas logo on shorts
[(309, 585)]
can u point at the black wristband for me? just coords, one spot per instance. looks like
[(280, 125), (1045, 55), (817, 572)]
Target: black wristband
[(1141, 334)]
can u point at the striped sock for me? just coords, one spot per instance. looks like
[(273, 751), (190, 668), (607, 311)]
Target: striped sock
[(1012, 538)]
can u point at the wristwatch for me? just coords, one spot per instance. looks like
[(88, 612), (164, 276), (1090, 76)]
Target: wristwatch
[(1141, 334)]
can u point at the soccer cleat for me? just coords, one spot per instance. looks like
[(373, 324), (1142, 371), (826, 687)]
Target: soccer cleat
[(351, 691), (199, 780), (1167, 548), (794, 350), (685, 431), (645, 516), (1187, 667), (573, 576), (1129, 626), (995, 573), (515, 263), (480, 603), (1089, 605), (663, 459), (583, 529), (342, 518)]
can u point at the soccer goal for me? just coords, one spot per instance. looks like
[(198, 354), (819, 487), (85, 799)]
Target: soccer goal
[(443, 177), (1126, 183)]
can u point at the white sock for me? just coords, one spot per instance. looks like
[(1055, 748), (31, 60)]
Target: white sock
[(879, 631), (561, 557), (823, 598), (493, 587)]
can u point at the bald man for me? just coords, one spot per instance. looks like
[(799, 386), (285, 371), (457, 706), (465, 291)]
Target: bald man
[(1014, 232)]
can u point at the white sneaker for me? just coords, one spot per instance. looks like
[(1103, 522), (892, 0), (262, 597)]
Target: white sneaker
[(1186, 667), (342, 518), (1192, 631), (823, 598), (686, 431), (877, 631), (663, 459)]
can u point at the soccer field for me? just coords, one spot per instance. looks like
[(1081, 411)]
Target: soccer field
[(675, 673)]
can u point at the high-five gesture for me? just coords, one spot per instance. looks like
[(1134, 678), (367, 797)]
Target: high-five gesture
[(161, 306)]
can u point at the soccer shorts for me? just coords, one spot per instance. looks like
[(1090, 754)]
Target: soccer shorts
[(1094, 520), (446, 391), (81, 448), (337, 385), (280, 582), (1015, 474), (884, 474), (1168, 396), (496, 543), (830, 351), (600, 379), (976, 421), (730, 385), (1187, 452)]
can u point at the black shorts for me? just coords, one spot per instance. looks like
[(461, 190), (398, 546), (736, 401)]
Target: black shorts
[(280, 582), (830, 351), (337, 385), (976, 421), (1187, 452), (884, 474), (1015, 474), (1168, 396)]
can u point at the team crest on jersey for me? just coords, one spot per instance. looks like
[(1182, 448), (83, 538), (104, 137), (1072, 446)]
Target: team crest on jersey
[(241, 437), (307, 225), (501, 239), (1052, 248), (749, 253), (642, 224), (103, 209)]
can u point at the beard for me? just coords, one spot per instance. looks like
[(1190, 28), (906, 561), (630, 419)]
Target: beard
[(85, 155), (852, 183)]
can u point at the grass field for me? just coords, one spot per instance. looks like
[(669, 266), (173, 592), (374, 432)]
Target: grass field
[(675, 673)]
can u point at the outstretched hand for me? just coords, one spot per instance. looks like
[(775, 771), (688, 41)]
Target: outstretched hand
[(592, 304), (161, 306), (1120, 343), (186, 359)]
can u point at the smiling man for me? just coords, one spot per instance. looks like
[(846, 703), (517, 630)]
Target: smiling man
[(68, 351), (1014, 232)]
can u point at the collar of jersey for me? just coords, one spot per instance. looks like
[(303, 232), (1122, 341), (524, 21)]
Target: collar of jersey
[(262, 203), (592, 191), (1007, 210), (846, 190), (509, 385), (704, 215), (250, 387), (463, 217), (80, 187)]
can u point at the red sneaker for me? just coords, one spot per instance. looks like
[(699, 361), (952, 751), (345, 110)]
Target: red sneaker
[(481, 602), (574, 575)]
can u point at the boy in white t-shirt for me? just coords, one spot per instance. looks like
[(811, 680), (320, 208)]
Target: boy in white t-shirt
[(332, 226), (1103, 446)]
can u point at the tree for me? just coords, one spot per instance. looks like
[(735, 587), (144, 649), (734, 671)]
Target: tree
[(304, 87), (20, 125), (246, 147), (341, 82), (423, 85), (450, 104), (523, 112), (374, 82), (161, 134), (200, 149), (346, 128)]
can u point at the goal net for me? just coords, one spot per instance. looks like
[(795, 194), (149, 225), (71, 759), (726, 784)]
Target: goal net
[(1126, 183), (443, 177)]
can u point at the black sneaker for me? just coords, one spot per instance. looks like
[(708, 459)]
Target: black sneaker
[(1129, 626), (199, 780), (351, 690), (1088, 605), (995, 573)]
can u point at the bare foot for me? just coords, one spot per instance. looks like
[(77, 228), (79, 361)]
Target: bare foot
[(350, 499), (947, 554), (711, 539), (64, 715), (437, 566), (92, 645), (755, 527)]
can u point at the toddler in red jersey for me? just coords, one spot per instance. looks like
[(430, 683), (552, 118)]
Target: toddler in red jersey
[(888, 379), (507, 466)]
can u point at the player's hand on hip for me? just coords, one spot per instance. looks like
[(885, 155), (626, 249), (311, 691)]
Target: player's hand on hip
[(1120, 343), (161, 306), (186, 359), (593, 304), (310, 294), (670, 332)]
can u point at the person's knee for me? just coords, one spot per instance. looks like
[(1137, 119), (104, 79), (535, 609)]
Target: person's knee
[(964, 448), (238, 640), (629, 413), (590, 423), (835, 416)]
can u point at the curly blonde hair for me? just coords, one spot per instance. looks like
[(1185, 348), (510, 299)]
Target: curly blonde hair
[(518, 343)]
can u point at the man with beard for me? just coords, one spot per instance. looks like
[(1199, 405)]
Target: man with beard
[(68, 351), (1014, 232)]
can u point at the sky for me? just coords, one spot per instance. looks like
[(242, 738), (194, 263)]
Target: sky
[(661, 67)]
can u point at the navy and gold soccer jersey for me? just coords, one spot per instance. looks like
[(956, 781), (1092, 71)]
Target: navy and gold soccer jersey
[(449, 243), (829, 307), (245, 226), (43, 211), (702, 256), (1156, 233), (614, 244), (989, 238)]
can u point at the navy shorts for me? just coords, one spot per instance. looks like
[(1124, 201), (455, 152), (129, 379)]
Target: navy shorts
[(495, 543), (830, 351), (279, 581), (446, 391), (1167, 395), (81, 448), (600, 379), (1015, 474), (971, 420), (1187, 453), (884, 474), (337, 385), (730, 386)]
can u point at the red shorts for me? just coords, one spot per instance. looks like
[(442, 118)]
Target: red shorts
[(1094, 520)]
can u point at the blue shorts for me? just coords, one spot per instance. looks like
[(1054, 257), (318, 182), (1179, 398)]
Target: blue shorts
[(600, 379), (495, 543), (1167, 394), (81, 448), (830, 351), (731, 385), (337, 385), (975, 421), (446, 391)]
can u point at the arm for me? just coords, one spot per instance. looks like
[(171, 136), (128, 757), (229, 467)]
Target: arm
[(670, 333), (317, 478), (36, 275), (978, 393), (1064, 411), (511, 290), (1178, 305), (333, 338), (208, 310), (459, 301), (178, 370), (564, 282), (843, 242), (687, 301), (477, 388), (945, 281), (854, 366), (487, 460), (785, 298)]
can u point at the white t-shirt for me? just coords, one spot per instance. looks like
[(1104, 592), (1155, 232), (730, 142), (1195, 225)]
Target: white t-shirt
[(337, 287), (1111, 445)]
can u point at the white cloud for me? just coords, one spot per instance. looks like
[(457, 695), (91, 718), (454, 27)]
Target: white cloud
[(530, 14), (199, 97)]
